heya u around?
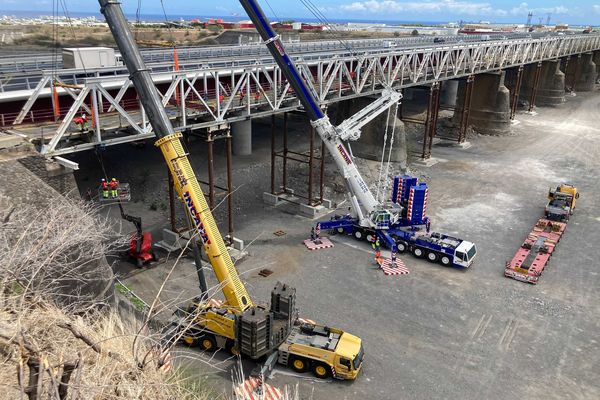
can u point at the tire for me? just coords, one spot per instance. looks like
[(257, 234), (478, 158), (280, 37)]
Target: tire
[(208, 343), (139, 263), (432, 256), (298, 364), (445, 260), (371, 238), (189, 341), (321, 370), (154, 257), (401, 246), (230, 347), (418, 252), (359, 234), (191, 338), (340, 230)]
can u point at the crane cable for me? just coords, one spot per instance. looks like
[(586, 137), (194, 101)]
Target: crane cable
[(387, 167), (385, 135)]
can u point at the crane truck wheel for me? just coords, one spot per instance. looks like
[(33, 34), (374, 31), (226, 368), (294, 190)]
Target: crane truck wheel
[(298, 364), (432, 256), (359, 234), (321, 370), (401, 246), (445, 260), (340, 230), (418, 252), (208, 343)]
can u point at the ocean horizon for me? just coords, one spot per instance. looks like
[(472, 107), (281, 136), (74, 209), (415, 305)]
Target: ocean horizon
[(228, 18)]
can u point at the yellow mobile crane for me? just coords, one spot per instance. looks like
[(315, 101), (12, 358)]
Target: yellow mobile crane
[(237, 324)]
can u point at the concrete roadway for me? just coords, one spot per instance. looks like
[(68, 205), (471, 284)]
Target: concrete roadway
[(441, 332)]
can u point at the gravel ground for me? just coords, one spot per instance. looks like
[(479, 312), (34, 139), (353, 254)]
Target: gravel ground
[(437, 332)]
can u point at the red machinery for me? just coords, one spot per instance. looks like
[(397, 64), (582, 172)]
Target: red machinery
[(140, 246), (531, 259)]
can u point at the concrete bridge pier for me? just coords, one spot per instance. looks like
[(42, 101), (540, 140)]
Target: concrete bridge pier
[(489, 112), (242, 137), (549, 90), (580, 73), (449, 93), (596, 59), (371, 141)]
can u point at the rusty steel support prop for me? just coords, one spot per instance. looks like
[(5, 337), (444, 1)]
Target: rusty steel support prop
[(577, 72), (426, 129), (322, 173), (401, 106), (229, 184), (566, 71), (431, 121), (285, 150), (211, 172), (171, 201), (311, 155), (536, 80), (273, 154), (516, 92), (466, 110)]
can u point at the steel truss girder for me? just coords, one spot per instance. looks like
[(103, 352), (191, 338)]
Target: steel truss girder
[(330, 80)]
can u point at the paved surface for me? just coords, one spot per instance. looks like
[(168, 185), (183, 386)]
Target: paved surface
[(441, 332)]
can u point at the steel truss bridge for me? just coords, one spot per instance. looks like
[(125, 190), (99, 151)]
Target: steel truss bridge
[(212, 93)]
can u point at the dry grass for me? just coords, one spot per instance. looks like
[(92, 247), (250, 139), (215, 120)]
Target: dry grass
[(33, 334), (58, 337)]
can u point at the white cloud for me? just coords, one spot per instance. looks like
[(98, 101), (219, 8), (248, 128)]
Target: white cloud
[(443, 6), (524, 8), (449, 6)]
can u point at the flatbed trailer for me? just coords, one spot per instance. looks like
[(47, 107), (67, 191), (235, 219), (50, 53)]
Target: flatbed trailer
[(531, 259)]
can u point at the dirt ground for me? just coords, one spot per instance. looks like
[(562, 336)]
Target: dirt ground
[(437, 332)]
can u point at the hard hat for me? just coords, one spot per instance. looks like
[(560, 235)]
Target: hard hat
[(103, 180), (114, 180)]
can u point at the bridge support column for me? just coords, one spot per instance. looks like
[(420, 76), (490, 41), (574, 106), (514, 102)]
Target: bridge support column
[(550, 88), (490, 105), (242, 137), (448, 93), (596, 59), (581, 73), (431, 120), (514, 87), (463, 100)]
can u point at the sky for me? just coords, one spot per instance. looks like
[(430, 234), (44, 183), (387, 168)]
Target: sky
[(566, 11)]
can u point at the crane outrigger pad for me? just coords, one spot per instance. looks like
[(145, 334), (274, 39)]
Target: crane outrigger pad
[(255, 389), (318, 244), (123, 195), (388, 269)]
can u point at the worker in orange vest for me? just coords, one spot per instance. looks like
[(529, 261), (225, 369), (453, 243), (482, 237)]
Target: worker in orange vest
[(104, 185), (81, 122), (114, 187)]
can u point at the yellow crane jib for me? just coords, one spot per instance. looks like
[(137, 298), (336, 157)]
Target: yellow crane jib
[(190, 192)]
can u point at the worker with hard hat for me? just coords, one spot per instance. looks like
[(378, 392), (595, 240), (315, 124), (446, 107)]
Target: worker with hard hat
[(114, 187), (104, 186)]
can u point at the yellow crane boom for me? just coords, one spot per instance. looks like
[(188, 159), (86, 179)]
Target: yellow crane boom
[(190, 192)]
